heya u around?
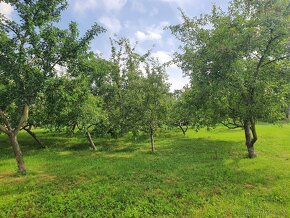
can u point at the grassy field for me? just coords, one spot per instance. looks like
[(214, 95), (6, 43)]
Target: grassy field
[(204, 174)]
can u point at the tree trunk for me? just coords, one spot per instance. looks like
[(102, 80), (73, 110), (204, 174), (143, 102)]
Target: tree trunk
[(17, 153), (251, 137), (182, 129), (32, 134), (288, 112), (152, 140), (92, 144), (12, 134)]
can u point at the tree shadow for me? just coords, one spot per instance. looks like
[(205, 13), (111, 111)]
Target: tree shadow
[(181, 167)]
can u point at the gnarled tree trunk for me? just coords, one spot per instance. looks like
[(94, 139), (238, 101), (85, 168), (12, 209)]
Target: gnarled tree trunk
[(17, 152), (251, 137)]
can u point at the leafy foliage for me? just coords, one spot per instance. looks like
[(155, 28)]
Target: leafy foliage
[(238, 62)]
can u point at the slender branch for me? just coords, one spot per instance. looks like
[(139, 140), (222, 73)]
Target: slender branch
[(17, 32), (232, 125), (277, 59), (271, 40)]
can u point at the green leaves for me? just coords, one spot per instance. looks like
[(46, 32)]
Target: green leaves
[(32, 47), (235, 60)]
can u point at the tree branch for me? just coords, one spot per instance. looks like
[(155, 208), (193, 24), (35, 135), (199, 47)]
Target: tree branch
[(23, 118), (277, 59), (3, 129), (271, 40), (5, 120), (232, 125)]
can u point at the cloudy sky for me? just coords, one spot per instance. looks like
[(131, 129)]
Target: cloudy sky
[(138, 20)]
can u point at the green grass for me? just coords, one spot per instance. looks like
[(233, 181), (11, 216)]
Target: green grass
[(204, 174)]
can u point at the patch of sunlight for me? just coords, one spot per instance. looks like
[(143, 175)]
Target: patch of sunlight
[(64, 153), (12, 178), (120, 155)]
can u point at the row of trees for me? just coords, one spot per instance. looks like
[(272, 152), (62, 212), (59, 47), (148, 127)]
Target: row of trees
[(238, 63)]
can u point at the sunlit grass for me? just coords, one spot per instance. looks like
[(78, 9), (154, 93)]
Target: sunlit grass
[(204, 174)]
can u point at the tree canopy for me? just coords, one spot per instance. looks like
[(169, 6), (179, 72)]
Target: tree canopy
[(238, 61), (30, 50)]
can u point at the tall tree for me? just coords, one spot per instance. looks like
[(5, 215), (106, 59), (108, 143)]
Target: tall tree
[(121, 87), (30, 50), (239, 62)]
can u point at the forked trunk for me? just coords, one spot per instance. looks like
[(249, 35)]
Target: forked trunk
[(152, 140), (12, 134), (92, 144), (183, 129), (251, 137), (17, 153)]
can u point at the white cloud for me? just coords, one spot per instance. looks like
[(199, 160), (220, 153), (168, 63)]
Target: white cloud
[(162, 56), (6, 9), (176, 78), (151, 33), (90, 5), (175, 75), (113, 24), (148, 35)]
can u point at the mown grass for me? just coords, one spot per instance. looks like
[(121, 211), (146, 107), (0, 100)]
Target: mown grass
[(204, 174)]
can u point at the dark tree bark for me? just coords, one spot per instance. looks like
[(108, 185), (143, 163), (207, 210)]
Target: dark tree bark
[(287, 112), (184, 130), (33, 135), (251, 137), (17, 152), (152, 140), (92, 144)]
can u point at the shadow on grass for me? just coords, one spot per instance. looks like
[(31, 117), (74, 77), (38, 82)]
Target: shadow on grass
[(183, 171), (175, 156)]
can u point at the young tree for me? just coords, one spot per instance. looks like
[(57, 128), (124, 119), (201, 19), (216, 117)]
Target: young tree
[(236, 60), (156, 99), (119, 82), (30, 49), (90, 114)]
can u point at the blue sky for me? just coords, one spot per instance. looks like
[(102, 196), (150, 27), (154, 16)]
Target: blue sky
[(138, 20)]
